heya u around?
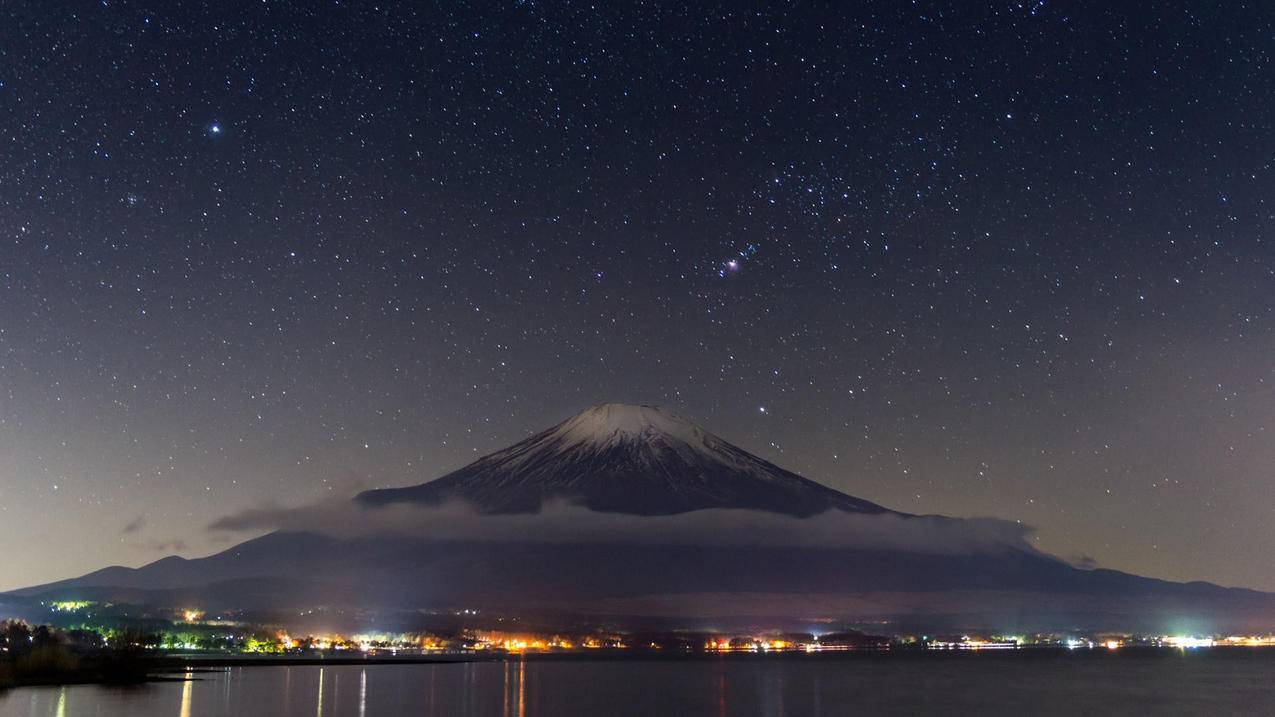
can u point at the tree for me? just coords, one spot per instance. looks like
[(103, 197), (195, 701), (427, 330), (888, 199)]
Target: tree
[(16, 636)]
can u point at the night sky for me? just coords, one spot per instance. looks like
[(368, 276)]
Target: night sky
[(981, 259)]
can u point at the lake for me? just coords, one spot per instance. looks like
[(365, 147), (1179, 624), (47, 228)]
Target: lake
[(1219, 681)]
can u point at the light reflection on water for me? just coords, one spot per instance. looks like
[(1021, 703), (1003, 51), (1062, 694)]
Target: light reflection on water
[(363, 693), (188, 688), (1185, 683)]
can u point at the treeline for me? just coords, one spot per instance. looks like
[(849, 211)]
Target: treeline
[(46, 655)]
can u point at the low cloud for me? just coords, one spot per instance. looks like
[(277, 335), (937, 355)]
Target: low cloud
[(134, 526), (562, 523)]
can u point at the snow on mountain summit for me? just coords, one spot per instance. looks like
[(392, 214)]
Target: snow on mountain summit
[(611, 422), (622, 458)]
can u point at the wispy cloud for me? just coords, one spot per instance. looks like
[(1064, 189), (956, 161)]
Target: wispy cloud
[(170, 546), (134, 526)]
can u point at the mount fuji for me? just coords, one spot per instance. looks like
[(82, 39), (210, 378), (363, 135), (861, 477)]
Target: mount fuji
[(618, 458), (630, 514)]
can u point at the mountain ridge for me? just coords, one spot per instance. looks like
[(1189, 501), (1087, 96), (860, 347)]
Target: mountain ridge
[(657, 475)]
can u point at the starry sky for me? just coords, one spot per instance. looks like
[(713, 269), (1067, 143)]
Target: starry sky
[(982, 259)]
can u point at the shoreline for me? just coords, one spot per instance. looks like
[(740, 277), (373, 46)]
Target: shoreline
[(181, 669), (182, 663)]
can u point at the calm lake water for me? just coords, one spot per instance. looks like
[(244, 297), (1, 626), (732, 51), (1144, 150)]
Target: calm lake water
[(1190, 682)]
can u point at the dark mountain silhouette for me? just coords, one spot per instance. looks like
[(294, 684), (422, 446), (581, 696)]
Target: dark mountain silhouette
[(654, 472), (619, 458)]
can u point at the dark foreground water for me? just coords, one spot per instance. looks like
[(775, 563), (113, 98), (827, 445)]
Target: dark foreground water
[(1155, 682)]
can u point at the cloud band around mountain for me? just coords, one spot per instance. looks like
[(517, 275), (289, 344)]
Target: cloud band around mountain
[(563, 523)]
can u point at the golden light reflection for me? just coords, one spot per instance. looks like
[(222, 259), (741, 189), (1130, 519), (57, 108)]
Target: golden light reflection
[(522, 687), (187, 687)]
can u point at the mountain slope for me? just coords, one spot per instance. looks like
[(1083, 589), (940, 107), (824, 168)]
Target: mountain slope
[(693, 586), (620, 458), (654, 474)]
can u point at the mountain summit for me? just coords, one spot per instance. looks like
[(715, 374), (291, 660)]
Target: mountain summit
[(621, 458)]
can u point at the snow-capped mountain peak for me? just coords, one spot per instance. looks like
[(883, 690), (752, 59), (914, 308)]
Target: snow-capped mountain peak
[(610, 423), (624, 458)]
